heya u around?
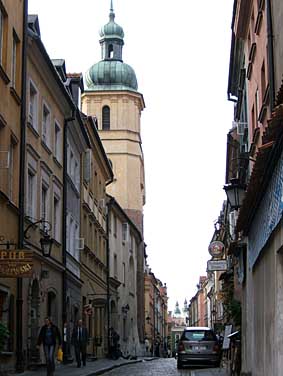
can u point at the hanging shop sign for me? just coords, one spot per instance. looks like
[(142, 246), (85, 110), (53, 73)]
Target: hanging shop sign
[(15, 263), (216, 248), (215, 265)]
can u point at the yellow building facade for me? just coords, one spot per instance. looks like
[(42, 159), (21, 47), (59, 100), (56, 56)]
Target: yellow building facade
[(11, 45)]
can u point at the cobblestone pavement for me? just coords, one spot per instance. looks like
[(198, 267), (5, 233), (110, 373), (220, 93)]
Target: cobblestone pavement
[(164, 367)]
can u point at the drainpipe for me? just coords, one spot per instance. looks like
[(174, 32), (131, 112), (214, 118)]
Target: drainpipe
[(64, 222), (108, 206), (270, 55), (19, 301)]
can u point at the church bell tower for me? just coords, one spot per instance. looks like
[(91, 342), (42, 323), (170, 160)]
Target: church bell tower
[(112, 96)]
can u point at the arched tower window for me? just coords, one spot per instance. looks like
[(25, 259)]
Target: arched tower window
[(105, 118), (110, 51)]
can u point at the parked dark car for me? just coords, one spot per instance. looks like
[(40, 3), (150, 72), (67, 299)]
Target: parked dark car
[(198, 346)]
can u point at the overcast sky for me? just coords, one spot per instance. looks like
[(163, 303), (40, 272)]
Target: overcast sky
[(180, 52)]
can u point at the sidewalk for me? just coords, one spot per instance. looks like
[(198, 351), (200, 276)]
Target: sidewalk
[(210, 372), (97, 367)]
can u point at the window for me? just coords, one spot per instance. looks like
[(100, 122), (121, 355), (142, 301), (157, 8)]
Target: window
[(76, 239), (87, 165), (15, 60), (263, 81), (56, 218), (71, 236), (45, 124), (1, 35), (90, 236), (125, 232), (256, 107), (115, 266), (33, 100), (131, 275), (11, 169), (58, 142), (132, 244), (124, 273), (76, 177), (43, 209), (110, 51), (31, 194), (105, 118), (253, 118), (115, 225), (109, 222), (199, 335)]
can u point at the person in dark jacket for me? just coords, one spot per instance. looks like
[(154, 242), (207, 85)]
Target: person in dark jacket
[(80, 341), (48, 336)]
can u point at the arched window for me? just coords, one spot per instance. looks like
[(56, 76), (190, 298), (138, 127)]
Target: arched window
[(110, 51), (105, 118)]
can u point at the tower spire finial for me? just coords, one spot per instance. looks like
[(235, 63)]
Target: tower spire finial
[(111, 14)]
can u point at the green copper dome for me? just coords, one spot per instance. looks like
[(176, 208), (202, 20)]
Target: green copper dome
[(111, 75), (111, 29)]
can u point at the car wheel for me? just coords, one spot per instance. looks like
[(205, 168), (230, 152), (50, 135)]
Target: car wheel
[(179, 365)]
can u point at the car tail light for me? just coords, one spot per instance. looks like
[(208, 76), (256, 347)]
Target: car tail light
[(216, 348), (181, 346)]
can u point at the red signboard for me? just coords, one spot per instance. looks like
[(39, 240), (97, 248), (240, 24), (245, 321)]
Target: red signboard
[(216, 248)]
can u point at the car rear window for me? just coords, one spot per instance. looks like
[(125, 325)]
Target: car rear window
[(199, 335)]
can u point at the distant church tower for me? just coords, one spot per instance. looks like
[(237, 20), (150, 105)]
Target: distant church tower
[(177, 311), (112, 96)]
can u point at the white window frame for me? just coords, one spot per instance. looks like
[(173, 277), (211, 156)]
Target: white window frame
[(33, 106), (46, 122)]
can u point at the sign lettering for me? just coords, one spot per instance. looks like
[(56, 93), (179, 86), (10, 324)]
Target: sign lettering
[(15, 264)]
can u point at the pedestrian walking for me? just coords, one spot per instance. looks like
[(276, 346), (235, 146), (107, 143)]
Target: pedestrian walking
[(114, 344), (48, 336), (80, 341), (146, 343)]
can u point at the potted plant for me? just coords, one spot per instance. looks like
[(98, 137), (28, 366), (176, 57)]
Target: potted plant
[(4, 334)]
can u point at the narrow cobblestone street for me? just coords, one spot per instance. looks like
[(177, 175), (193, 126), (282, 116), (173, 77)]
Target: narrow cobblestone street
[(164, 367)]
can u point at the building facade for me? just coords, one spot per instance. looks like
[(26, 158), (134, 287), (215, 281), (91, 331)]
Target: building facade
[(11, 95), (48, 106), (256, 27), (94, 254), (125, 241), (112, 96)]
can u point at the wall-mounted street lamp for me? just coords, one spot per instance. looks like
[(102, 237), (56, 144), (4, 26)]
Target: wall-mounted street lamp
[(45, 241), (235, 192)]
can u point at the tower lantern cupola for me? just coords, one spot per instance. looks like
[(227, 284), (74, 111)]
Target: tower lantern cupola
[(112, 38)]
